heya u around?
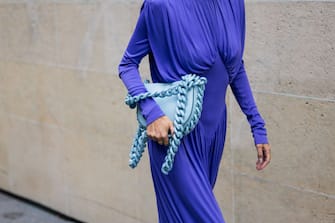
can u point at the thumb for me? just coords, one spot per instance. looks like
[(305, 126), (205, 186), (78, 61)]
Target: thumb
[(171, 128)]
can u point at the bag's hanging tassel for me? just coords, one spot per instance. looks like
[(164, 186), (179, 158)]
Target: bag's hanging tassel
[(138, 147), (180, 130)]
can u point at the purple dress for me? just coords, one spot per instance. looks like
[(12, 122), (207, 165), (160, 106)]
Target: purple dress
[(203, 37)]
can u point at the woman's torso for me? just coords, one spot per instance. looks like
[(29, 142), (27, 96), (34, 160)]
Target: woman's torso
[(189, 36)]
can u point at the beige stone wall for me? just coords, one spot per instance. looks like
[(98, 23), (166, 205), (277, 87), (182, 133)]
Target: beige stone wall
[(65, 132)]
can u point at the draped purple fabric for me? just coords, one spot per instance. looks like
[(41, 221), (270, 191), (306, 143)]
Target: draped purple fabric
[(204, 37)]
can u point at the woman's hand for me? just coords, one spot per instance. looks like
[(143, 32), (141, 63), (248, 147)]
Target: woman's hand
[(159, 130), (263, 155)]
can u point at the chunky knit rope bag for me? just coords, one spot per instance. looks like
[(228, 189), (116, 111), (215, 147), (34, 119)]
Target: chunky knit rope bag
[(181, 101)]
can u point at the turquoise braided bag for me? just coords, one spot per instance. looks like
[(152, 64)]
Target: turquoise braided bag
[(181, 101)]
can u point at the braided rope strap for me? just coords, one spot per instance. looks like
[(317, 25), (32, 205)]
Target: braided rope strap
[(181, 126)]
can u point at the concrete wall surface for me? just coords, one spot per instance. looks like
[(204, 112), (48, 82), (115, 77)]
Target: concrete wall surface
[(65, 132)]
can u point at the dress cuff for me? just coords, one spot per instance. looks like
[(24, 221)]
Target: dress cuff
[(260, 139), (150, 110)]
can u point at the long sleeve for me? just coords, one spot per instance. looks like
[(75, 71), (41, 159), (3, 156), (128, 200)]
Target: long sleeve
[(243, 94), (138, 47)]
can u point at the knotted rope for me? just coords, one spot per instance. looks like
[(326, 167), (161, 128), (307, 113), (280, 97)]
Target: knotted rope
[(180, 128)]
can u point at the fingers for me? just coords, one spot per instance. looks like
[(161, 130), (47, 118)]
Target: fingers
[(263, 156), (165, 139), (159, 129), (267, 152), (171, 128), (259, 162)]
